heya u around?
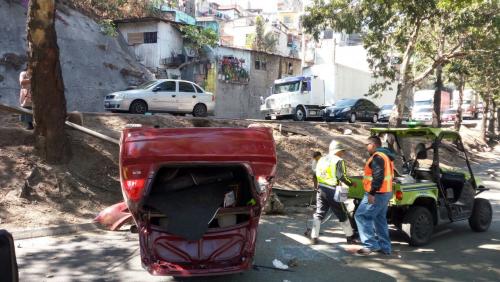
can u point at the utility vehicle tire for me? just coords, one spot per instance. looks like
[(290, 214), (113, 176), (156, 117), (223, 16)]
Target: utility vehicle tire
[(352, 119), (200, 110), (375, 118), (480, 218), (138, 107), (300, 114), (418, 225)]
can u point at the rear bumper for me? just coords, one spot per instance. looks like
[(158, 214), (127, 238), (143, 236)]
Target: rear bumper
[(220, 251)]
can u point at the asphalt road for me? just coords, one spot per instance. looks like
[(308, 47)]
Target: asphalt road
[(455, 253)]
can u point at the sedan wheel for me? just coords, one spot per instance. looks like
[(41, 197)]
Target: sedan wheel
[(200, 110), (138, 107)]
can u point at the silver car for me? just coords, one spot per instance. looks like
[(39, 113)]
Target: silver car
[(164, 95)]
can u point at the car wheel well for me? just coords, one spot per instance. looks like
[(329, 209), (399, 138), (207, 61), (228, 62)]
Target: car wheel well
[(430, 204), (203, 112), (139, 100)]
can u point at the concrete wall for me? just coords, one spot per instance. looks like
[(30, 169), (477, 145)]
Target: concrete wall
[(169, 39), (243, 100), (93, 64), (148, 54)]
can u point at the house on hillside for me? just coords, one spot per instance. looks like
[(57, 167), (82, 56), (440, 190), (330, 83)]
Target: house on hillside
[(237, 76), (157, 44)]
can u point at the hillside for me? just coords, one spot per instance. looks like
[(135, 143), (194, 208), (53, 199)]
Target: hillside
[(93, 63)]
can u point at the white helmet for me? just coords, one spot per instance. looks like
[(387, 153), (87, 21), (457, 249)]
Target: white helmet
[(335, 147)]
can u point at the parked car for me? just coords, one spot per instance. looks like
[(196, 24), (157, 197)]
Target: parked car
[(422, 114), (352, 110), (449, 115), (164, 95), (386, 110)]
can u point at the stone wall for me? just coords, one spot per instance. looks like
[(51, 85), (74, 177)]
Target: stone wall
[(93, 64)]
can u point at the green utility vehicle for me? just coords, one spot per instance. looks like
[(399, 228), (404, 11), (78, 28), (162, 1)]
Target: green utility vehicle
[(433, 185)]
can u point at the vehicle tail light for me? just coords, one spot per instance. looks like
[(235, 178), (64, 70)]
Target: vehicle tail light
[(134, 180), (399, 195), (213, 98)]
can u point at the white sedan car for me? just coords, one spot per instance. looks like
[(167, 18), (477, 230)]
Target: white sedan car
[(164, 95)]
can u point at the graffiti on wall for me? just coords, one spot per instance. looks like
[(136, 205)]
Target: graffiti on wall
[(231, 70)]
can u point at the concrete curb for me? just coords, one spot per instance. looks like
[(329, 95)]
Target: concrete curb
[(52, 231)]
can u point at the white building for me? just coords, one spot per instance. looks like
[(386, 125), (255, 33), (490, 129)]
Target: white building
[(157, 43), (345, 70)]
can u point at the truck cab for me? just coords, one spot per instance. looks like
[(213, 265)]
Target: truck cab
[(297, 97)]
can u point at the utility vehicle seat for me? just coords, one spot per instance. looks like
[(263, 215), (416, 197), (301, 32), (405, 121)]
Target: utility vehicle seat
[(420, 154), (455, 181)]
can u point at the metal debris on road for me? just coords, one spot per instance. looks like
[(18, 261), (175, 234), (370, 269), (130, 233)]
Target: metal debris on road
[(278, 264)]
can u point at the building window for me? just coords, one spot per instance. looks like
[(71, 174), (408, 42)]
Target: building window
[(260, 64), (150, 37)]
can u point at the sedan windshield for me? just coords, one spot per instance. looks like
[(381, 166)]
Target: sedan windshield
[(286, 87), (345, 103), (146, 85)]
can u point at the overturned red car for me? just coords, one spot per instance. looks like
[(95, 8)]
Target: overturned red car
[(196, 195)]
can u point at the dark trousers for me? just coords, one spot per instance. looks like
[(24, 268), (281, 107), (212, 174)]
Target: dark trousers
[(325, 201)]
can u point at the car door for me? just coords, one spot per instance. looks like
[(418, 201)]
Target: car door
[(164, 97), (371, 110), (186, 97), (359, 109)]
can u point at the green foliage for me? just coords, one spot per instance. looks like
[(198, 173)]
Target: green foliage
[(407, 39), (108, 28), (258, 43), (197, 37), (265, 42)]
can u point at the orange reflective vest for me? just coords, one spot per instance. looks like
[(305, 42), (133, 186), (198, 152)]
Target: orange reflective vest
[(388, 174)]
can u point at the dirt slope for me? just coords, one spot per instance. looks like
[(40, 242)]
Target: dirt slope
[(75, 192)]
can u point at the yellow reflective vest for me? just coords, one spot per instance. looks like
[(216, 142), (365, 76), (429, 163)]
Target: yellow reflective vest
[(326, 170)]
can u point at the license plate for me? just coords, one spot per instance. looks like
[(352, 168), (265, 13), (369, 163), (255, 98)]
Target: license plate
[(313, 113), (106, 104), (273, 116)]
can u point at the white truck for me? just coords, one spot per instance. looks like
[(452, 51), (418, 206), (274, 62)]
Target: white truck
[(297, 97), (470, 103)]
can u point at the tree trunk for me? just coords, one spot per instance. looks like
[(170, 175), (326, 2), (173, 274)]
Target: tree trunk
[(486, 110), (461, 85), (49, 103), (436, 113), (403, 96), (498, 119), (491, 123)]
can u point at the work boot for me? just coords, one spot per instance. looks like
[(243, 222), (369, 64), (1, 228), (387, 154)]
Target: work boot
[(315, 230)]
